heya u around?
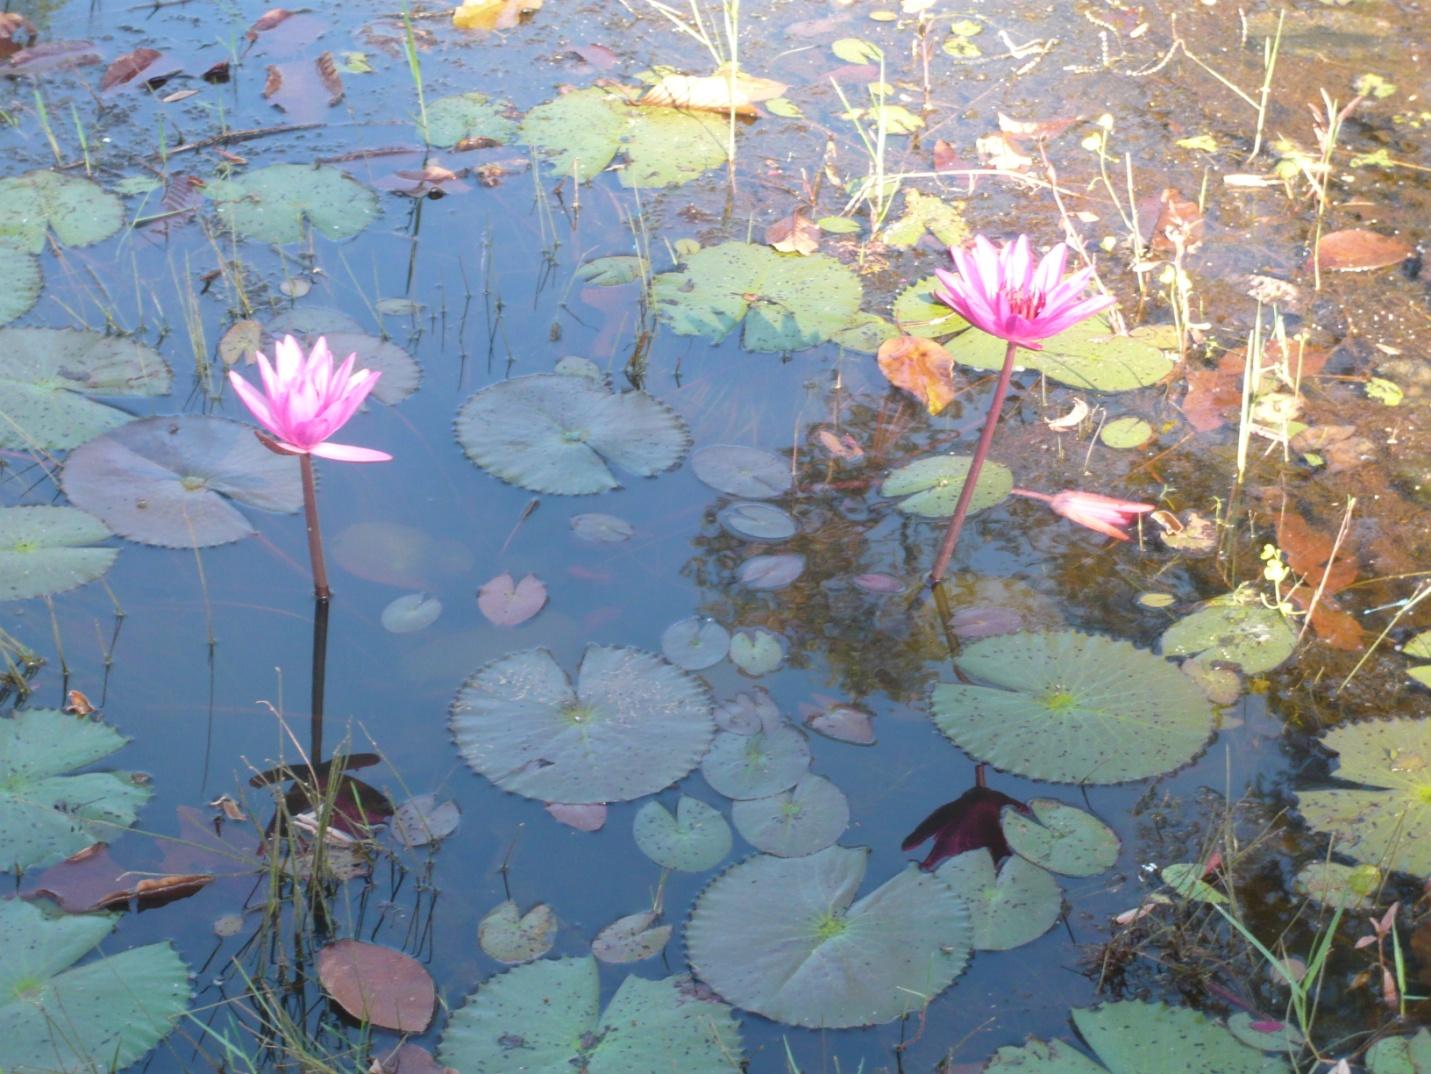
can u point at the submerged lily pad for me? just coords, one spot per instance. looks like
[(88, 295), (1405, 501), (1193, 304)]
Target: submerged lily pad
[(757, 765), (1088, 356), (468, 117), (1255, 638), (548, 1014), (77, 210), (48, 377), (787, 302), (783, 937), (930, 487), (810, 817), (401, 374), (20, 283), (168, 480), (1333, 884), (1400, 1055), (1386, 821), (45, 814), (44, 550), (756, 521), (59, 1018), (742, 471), (1062, 838), (1074, 708), (633, 725), (697, 838), (1011, 907), (1140, 1038), (273, 204), (557, 434)]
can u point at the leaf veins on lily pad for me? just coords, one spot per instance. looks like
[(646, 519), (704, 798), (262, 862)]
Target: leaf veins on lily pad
[(632, 725), (559, 434), (785, 938), (1386, 820), (168, 480), (50, 376), (547, 1017), (1074, 708), (47, 550)]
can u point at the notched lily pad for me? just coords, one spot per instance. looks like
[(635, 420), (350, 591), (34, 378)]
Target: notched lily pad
[(468, 117), (697, 838), (809, 817), (273, 204), (930, 487), (695, 643), (77, 210), (756, 765), (1011, 907), (1062, 838), (46, 550), (510, 936), (631, 938), (1255, 638)]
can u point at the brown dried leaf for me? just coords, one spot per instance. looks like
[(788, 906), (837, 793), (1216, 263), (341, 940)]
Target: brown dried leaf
[(409, 1059), (328, 75), (1211, 394), (217, 74), (240, 343), (1179, 223), (76, 704), (1308, 552), (1033, 128), (53, 56), (921, 367), (378, 985), (12, 23), (794, 234), (267, 21), (1358, 250), (273, 83), (840, 445), (127, 67), (92, 880)]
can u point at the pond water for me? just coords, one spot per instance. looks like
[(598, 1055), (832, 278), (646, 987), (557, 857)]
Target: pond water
[(699, 468)]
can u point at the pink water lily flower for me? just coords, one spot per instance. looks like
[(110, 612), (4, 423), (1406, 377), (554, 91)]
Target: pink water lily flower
[(1002, 293), (1105, 514), (305, 401)]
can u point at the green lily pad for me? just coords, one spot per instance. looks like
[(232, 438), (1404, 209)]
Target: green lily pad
[(578, 133), (557, 434), (1336, 885), (59, 1018), (467, 116), (919, 313), (1263, 1035), (784, 938), (401, 374), (1386, 821), (697, 838), (273, 204), (48, 377), (77, 210), (45, 814), (1011, 908), (809, 817), (925, 212), (614, 271), (1062, 838), (742, 471), (756, 651), (1088, 356), (930, 487), (1126, 433), (632, 726), (1418, 647), (43, 550), (667, 147), (1254, 637), (865, 333), (1074, 708), (787, 302), (510, 936), (168, 481), (1140, 1038), (20, 283), (756, 766), (545, 1018), (1400, 1055)]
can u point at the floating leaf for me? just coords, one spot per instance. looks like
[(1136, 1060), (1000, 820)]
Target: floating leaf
[(57, 1018), (930, 487), (1126, 433), (77, 210), (168, 480), (20, 283), (1359, 250), (1400, 1055), (1139, 1038), (771, 572), (548, 1013), (1386, 821), (468, 118), (378, 985), (1255, 638), (921, 367), (631, 938), (48, 376), (410, 613), (919, 313), (1062, 838), (926, 213), (510, 936), (1339, 886), (728, 89), (423, 820), (590, 817), (557, 434), (1010, 908), (807, 818), (696, 643), (92, 880), (843, 723), (43, 550), (787, 302), (46, 815), (273, 204), (757, 521), (508, 603), (601, 529), (1070, 707), (394, 554), (857, 50), (780, 937), (742, 471), (697, 838), (757, 651), (666, 147), (633, 725), (578, 133), (756, 765), (1088, 356), (745, 714)]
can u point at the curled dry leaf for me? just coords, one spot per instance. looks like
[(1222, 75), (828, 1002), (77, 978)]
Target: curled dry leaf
[(267, 21), (720, 92), (508, 603), (126, 67), (840, 445), (921, 367), (1358, 250), (1072, 420), (794, 234), (92, 880), (328, 74), (377, 985), (1034, 128)]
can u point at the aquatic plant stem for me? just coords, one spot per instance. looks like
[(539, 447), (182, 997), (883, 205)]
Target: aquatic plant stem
[(315, 533), (966, 494), (320, 676)]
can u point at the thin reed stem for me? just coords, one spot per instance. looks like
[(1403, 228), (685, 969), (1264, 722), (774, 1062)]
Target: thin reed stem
[(315, 534)]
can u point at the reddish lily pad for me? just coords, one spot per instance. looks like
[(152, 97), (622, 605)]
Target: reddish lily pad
[(378, 985)]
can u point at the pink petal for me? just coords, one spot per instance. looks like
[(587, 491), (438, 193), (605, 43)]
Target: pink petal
[(1018, 265), (253, 399), (348, 453), (288, 361), (1050, 269)]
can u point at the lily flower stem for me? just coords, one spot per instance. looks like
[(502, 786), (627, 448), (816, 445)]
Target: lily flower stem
[(966, 494), (320, 676), (1031, 494), (315, 532)]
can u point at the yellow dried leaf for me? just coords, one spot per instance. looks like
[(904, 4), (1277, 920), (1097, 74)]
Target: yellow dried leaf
[(921, 367)]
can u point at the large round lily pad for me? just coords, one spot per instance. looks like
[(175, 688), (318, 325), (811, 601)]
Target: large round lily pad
[(1089, 356), (930, 487), (49, 376), (1074, 708), (787, 302), (273, 204), (20, 283), (1386, 821), (77, 210), (1011, 906), (468, 117), (919, 313), (558, 434), (545, 1018), (1254, 637), (58, 1018), (46, 550), (47, 814), (633, 725), (783, 937), (168, 480)]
